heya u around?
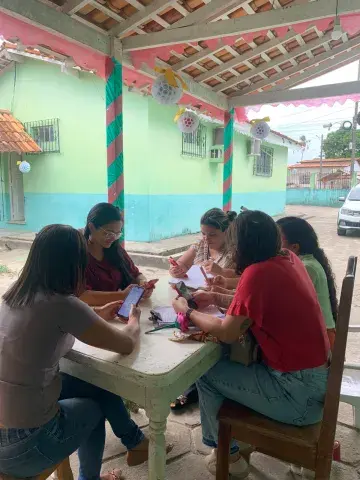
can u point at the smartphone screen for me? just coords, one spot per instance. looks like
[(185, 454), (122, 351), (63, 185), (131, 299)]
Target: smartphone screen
[(183, 291), (133, 298)]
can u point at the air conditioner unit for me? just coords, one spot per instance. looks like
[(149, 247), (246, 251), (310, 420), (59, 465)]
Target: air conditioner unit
[(253, 147), (216, 154)]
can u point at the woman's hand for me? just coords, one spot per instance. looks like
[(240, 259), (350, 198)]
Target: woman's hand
[(134, 316), (177, 271), (109, 311), (211, 267), (203, 299), (218, 281), (180, 305), (148, 292)]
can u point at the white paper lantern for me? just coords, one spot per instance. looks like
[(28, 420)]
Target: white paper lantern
[(188, 122), (260, 130), (164, 93), (24, 167)]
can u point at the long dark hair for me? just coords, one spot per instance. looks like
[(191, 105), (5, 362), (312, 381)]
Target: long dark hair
[(56, 265), (298, 231), (100, 215), (217, 218), (253, 238)]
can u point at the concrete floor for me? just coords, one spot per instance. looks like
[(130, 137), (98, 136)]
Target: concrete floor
[(186, 460)]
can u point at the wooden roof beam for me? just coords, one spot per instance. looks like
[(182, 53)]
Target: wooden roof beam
[(298, 94), (251, 23), (277, 61), (73, 6), (141, 16), (57, 23), (326, 57)]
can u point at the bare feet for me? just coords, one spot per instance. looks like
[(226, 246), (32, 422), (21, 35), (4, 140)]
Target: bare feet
[(114, 474), (140, 453)]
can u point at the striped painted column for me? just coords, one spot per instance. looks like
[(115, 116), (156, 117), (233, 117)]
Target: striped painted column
[(114, 134), (228, 159)]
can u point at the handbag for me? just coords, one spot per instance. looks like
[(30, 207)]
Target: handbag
[(246, 350)]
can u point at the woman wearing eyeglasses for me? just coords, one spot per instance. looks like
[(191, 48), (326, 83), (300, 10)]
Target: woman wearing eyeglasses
[(110, 273)]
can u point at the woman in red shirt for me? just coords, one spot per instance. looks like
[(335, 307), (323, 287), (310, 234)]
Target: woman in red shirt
[(110, 272), (276, 300)]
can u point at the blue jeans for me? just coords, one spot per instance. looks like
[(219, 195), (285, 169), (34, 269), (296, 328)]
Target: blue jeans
[(79, 424), (296, 398)]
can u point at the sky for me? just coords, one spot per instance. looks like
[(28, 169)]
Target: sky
[(310, 121)]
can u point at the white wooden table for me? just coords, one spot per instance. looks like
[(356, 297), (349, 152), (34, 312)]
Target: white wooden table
[(152, 376)]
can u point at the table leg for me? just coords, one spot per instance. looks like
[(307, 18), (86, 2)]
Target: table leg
[(157, 447)]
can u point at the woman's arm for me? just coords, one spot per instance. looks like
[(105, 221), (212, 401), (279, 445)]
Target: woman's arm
[(229, 273), (103, 335), (185, 262), (97, 299), (227, 330)]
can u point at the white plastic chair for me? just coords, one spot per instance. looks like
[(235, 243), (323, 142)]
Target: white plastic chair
[(350, 387)]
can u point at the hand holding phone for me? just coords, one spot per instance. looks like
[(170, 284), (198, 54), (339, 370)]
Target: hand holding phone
[(133, 298), (151, 284), (176, 270), (184, 292)]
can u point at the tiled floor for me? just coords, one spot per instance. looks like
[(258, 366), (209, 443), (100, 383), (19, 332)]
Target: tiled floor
[(186, 460)]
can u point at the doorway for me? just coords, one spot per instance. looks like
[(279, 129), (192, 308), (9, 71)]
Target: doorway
[(16, 189)]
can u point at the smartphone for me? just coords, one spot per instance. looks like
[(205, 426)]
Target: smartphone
[(133, 298), (183, 291), (151, 283), (173, 262)]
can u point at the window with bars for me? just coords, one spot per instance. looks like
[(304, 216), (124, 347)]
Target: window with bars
[(263, 163), (194, 144), (46, 134)]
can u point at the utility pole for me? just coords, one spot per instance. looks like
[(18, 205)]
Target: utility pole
[(321, 158), (354, 128)]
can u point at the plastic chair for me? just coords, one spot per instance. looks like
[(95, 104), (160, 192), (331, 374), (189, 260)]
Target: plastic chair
[(310, 447)]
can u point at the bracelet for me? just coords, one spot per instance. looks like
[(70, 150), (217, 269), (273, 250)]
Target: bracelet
[(188, 313)]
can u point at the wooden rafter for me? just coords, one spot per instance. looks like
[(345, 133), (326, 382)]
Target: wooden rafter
[(251, 23), (298, 94), (141, 17), (73, 6), (273, 63)]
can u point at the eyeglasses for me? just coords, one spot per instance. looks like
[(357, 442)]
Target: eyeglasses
[(110, 235)]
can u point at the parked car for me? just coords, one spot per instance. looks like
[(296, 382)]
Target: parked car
[(349, 213)]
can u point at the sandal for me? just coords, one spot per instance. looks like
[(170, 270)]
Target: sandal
[(184, 401)]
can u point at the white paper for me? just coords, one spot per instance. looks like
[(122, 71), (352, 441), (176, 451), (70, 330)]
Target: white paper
[(195, 278), (168, 314)]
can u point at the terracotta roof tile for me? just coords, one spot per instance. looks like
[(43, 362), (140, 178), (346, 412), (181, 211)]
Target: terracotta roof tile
[(13, 137)]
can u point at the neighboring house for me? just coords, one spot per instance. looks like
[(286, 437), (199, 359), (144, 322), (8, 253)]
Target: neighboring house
[(335, 172), (170, 179)]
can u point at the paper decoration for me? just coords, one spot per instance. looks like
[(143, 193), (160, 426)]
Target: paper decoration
[(168, 88), (188, 122), (260, 128), (24, 167)]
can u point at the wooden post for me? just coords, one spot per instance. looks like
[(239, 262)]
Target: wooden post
[(228, 159), (114, 134)]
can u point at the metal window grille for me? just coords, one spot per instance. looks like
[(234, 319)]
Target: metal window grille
[(194, 144), (263, 163), (46, 134)]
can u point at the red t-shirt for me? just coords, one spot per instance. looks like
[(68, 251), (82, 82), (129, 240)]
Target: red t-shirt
[(102, 276), (279, 297)]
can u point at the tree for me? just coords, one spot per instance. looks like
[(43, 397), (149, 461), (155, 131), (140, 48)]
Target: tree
[(336, 144)]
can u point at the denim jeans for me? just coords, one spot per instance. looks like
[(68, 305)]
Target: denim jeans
[(80, 424), (295, 398)]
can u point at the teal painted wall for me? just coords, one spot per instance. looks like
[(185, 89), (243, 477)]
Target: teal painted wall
[(166, 193), (316, 197)]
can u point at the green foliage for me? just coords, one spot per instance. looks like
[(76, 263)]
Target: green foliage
[(336, 145), (4, 269)]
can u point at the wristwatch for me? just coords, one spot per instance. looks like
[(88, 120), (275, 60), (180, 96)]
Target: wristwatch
[(188, 313)]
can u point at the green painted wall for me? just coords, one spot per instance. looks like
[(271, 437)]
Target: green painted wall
[(166, 193)]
